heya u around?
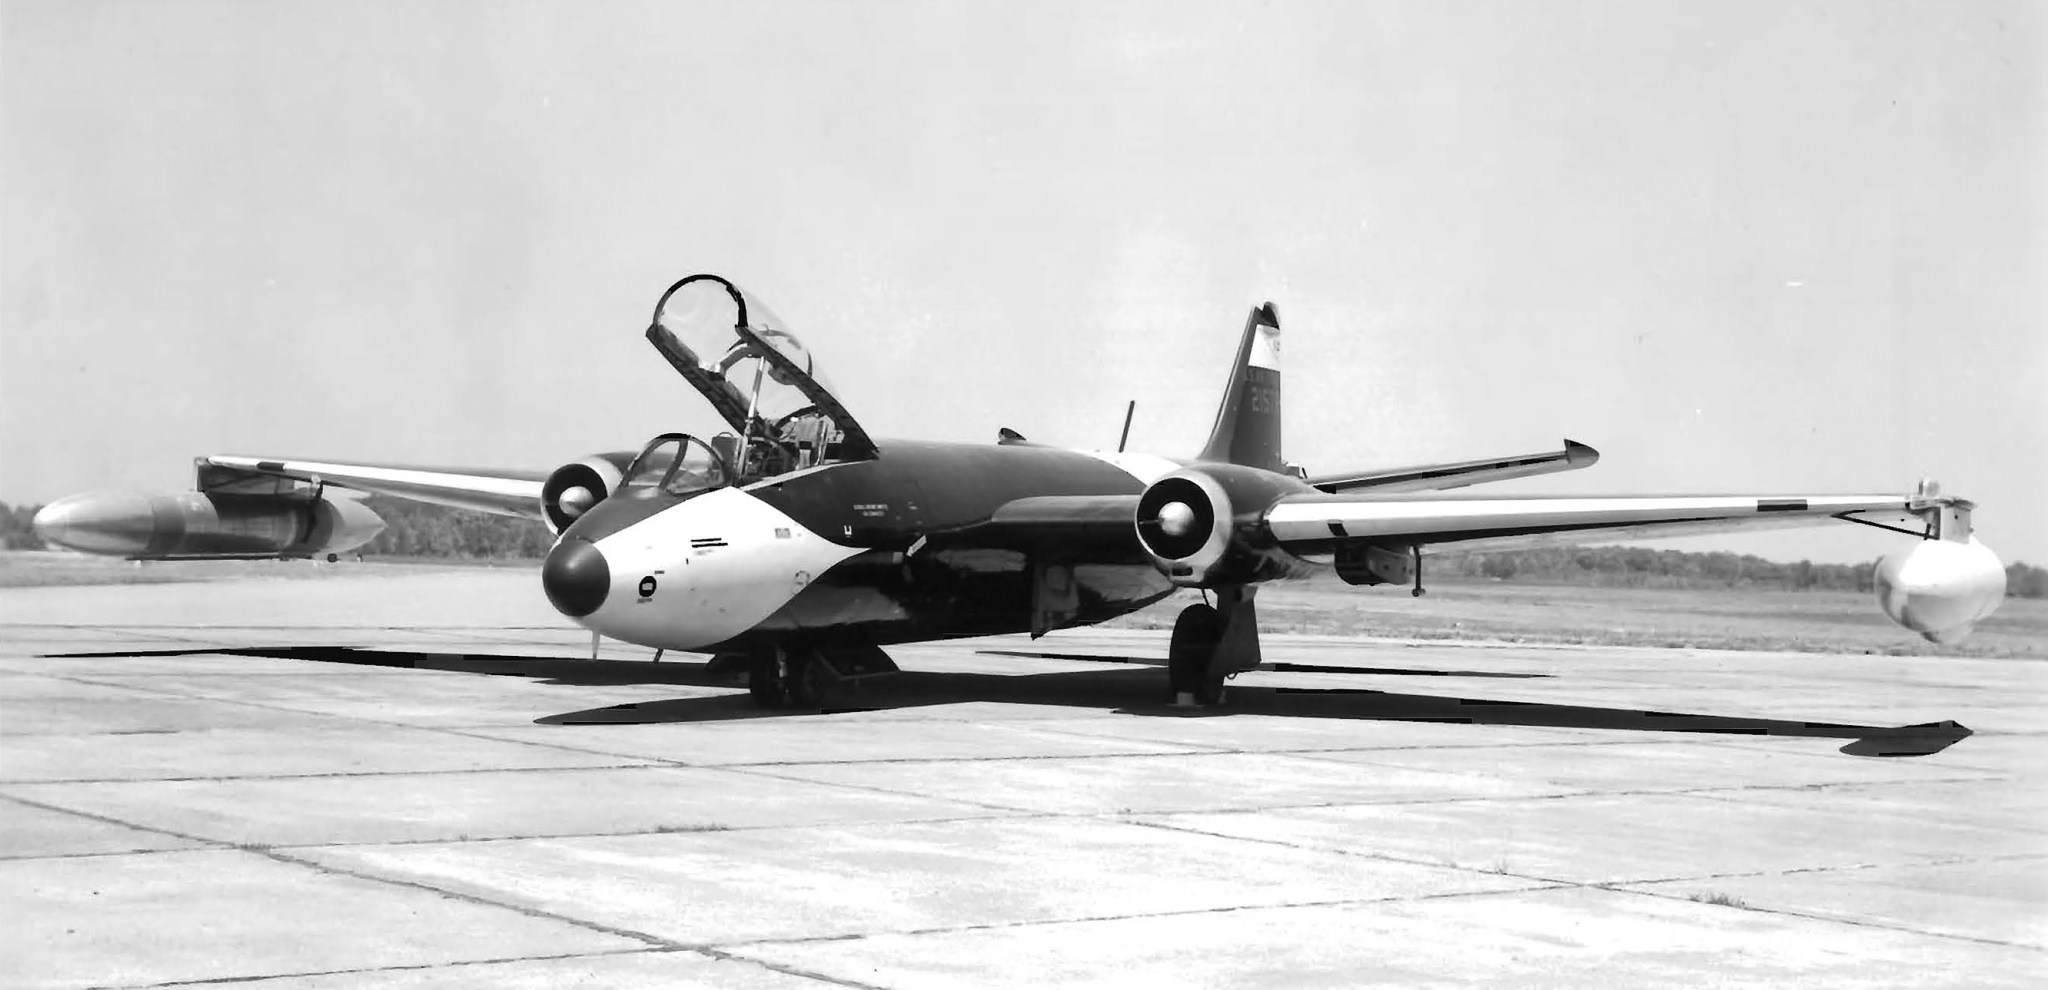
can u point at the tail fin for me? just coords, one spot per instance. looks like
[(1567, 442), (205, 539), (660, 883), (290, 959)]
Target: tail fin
[(1247, 427)]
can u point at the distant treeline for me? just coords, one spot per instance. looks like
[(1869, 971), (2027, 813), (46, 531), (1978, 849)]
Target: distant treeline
[(1643, 567), (416, 529), (15, 531)]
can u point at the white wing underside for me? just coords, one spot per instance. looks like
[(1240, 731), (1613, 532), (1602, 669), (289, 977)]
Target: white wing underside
[(1312, 524)]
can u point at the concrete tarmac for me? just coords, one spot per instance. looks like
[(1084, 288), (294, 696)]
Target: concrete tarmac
[(423, 781)]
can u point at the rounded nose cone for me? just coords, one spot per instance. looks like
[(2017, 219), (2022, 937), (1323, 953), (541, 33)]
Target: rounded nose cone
[(98, 522), (576, 577)]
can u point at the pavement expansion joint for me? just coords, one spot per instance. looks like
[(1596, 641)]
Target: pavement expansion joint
[(1733, 793), (1824, 918), (1313, 751), (783, 968), (111, 820), (469, 733), (1841, 868), (467, 898), (693, 829), (329, 774), (399, 968), (1008, 810), (1087, 919), (1011, 758), (1541, 881)]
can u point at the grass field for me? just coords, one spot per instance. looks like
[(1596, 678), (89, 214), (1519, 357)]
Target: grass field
[(1724, 619), (1721, 619), (42, 569)]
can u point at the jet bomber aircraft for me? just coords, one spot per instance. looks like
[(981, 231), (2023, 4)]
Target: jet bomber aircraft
[(794, 547)]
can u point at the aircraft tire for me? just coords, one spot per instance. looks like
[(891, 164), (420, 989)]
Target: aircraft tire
[(808, 680), (1195, 637)]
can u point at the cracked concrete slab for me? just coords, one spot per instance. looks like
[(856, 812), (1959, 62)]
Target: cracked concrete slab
[(652, 969), (996, 821), (1615, 838), (1561, 938), (209, 914), (1994, 898), (293, 748), (834, 881), (31, 832), (484, 805)]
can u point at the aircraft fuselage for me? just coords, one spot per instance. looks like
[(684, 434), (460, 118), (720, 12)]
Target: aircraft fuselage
[(853, 552)]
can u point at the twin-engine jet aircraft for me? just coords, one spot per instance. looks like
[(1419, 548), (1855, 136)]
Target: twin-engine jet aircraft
[(795, 546)]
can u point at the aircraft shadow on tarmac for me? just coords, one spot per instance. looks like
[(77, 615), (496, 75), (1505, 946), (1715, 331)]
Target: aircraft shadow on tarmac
[(1130, 691)]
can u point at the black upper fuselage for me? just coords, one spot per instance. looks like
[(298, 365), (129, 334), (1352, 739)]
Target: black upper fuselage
[(910, 552)]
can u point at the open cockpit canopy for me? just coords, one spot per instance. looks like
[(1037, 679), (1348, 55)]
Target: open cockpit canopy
[(745, 361)]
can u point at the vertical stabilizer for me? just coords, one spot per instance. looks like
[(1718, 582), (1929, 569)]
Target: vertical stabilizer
[(1247, 427)]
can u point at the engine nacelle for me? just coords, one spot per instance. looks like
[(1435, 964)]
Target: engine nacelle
[(1204, 527), (1940, 588), (207, 524), (578, 485)]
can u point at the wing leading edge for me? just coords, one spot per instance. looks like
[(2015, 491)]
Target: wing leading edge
[(504, 493)]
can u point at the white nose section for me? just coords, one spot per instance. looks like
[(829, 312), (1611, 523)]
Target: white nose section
[(707, 570)]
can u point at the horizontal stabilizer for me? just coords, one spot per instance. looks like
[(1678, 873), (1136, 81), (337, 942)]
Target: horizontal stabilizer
[(1439, 477)]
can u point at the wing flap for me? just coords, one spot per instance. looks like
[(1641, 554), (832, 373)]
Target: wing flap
[(1438, 477), (504, 493)]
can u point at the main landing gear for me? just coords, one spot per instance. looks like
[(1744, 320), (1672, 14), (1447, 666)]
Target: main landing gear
[(1211, 643), (782, 678), (805, 677), (1196, 634)]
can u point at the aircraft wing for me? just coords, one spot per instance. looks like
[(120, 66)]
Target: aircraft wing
[(1437, 477), (504, 493), (1100, 529), (1314, 524)]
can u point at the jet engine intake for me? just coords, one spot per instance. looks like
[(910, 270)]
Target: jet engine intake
[(207, 524), (1204, 526), (574, 487), (1939, 588)]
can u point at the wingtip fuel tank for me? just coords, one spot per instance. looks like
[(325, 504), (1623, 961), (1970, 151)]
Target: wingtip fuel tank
[(206, 524), (1940, 589)]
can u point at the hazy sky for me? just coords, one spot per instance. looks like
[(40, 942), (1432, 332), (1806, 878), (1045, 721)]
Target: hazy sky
[(1737, 246)]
